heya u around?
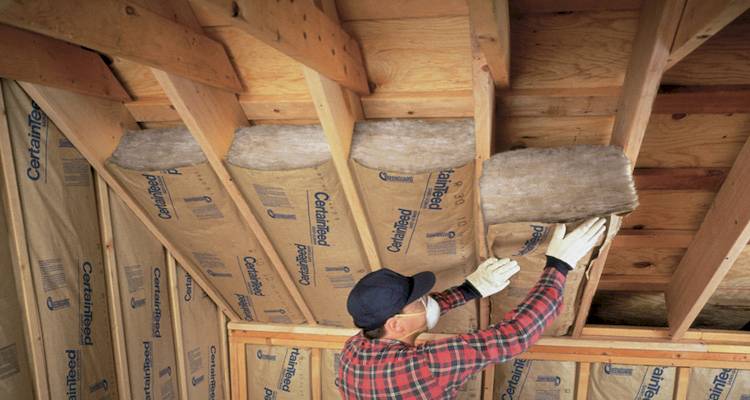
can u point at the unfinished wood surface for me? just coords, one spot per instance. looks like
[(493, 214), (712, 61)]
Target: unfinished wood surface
[(299, 30), (398, 9), (557, 6), (703, 335), (656, 30), (19, 253), (338, 116), (95, 126), (699, 179), (591, 286), (669, 209), (174, 309), (704, 100), (694, 140), (523, 132), (643, 260), (583, 371), (415, 55), (701, 20), (490, 29), (125, 29), (559, 102), (212, 116), (571, 50), (116, 323), (137, 79), (315, 378), (634, 283), (446, 104), (31, 57), (723, 234), (656, 238), (224, 335), (681, 385), (721, 60)]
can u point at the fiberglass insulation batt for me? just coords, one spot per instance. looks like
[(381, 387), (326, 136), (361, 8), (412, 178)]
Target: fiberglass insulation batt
[(287, 175), (15, 380), (62, 231), (416, 181), (144, 299), (169, 176), (719, 384), (279, 373), (520, 379), (200, 321), (617, 381), (525, 192)]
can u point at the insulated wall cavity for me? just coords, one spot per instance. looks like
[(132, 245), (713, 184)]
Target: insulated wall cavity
[(201, 340), (15, 379), (719, 384), (287, 176), (144, 297), (280, 373), (416, 180), (618, 381), (59, 214), (520, 379), (168, 175)]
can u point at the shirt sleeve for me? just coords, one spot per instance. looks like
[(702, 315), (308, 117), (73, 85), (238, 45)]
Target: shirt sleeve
[(458, 357), (453, 297)]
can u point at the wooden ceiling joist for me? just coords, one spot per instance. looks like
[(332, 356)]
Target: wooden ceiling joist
[(724, 233), (124, 29), (31, 57), (490, 24), (700, 21), (298, 29), (656, 30), (95, 127)]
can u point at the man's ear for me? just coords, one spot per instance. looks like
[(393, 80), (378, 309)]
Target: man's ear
[(393, 325)]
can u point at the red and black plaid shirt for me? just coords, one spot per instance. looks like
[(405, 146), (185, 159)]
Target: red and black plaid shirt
[(390, 369)]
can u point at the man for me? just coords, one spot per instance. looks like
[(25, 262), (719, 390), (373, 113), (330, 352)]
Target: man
[(382, 362)]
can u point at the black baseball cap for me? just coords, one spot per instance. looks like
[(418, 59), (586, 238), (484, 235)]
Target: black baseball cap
[(382, 294)]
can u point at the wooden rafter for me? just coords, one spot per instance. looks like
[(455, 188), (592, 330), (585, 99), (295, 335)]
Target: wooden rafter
[(724, 233), (95, 126), (656, 30), (125, 29), (490, 24), (298, 29), (31, 57), (583, 371), (700, 21)]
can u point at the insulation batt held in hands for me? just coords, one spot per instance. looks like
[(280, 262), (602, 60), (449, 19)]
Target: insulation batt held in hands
[(169, 176)]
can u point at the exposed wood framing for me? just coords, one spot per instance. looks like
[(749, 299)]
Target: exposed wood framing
[(583, 372), (634, 283), (298, 29), (224, 336), (662, 239), (19, 252), (174, 309), (315, 378), (490, 23), (656, 29), (95, 126), (709, 349), (725, 231), (700, 179), (681, 385), (124, 29), (700, 21), (338, 115), (212, 116), (113, 290), (31, 57)]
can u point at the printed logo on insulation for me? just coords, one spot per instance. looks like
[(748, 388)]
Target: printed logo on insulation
[(148, 362), (37, 122), (386, 177), (538, 234), (724, 378), (321, 228), (651, 389), (434, 198), (157, 190), (156, 309), (514, 382), (405, 221), (303, 259), (290, 370), (87, 304)]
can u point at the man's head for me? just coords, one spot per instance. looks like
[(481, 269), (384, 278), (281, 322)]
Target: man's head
[(386, 304)]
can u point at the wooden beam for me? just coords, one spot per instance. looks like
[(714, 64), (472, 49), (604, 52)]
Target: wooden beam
[(700, 179), (723, 234), (315, 378), (95, 126), (174, 309), (681, 385), (700, 21), (124, 29), (19, 253), (338, 116), (298, 29), (652, 238), (116, 322), (490, 23), (31, 57), (213, 116), (704, 100), (583, 372), (656, 30), (634, 283), (224, 336)]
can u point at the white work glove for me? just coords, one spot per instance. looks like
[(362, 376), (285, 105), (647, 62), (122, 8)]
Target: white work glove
[(493, 275), (576, 244)]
